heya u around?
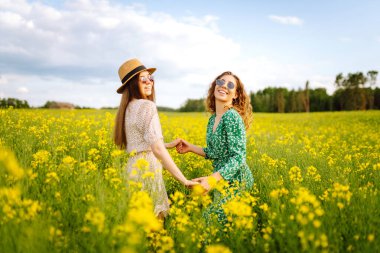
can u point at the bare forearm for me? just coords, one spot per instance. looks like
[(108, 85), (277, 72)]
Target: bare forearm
[(163, 155), (197, 150)]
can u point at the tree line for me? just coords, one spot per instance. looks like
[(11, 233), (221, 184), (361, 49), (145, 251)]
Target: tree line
[(353, 92), (17, 103), (13, 102)]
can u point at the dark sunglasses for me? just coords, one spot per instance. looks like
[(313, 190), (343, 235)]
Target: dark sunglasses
[(221, 82), (144, 79)]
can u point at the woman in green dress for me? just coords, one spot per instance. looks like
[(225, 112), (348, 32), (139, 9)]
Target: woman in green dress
[(231, 116)]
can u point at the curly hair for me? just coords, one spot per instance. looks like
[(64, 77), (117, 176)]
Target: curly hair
[(242, 104)]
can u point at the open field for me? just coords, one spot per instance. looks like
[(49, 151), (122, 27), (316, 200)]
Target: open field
[(62, 186)]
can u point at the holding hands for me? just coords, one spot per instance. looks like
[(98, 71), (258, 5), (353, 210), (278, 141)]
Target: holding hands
[(182, 146)]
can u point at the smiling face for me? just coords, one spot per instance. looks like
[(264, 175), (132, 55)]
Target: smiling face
[(223, 91), (146, 84)]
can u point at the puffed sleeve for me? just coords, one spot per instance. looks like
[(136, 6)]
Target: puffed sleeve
[(236, 145), (149, 122)]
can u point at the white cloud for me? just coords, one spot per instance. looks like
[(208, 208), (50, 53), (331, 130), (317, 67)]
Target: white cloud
[(72, 54), (90, 39), (321, 81), (3, 80), (108, 22), (206, 21), (286, 20), (22, 90), (98, 35), (20, 6)]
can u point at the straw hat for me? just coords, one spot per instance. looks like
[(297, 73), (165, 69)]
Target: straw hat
[(129, 69)]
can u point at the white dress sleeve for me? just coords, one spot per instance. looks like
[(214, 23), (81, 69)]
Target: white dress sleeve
[(150, 123)]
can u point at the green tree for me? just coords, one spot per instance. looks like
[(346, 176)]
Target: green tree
[(292, 101), (306, 97), (376, 95), (280, 99), (353, 95), (320, 100)]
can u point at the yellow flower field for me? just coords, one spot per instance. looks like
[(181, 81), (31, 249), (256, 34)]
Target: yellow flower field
[(63, 187)]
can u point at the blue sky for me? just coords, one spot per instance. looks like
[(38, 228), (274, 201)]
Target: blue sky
[(70, 50)]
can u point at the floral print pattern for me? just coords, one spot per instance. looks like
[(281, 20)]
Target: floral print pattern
[(227, 148)]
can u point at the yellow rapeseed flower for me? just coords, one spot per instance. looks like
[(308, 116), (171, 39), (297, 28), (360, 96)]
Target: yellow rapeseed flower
[(316, 223), (371, 237), (141, 212), (94, 154), (141, 164), (312, 173), (9, 161), (68, 160), (148, 174), (40, 158), (211, 181), (117, 153), (276, 193), (217, 248), (96, 218), (88, 166), (110, 173), (51, 177), (88, 198), (133, 153), (295, 175), (264, 207), (198, 190)]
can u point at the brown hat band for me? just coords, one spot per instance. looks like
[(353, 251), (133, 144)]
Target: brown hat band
[(131, 73)]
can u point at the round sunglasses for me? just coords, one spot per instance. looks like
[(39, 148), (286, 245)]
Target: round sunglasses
[(221, 82), (144, 79)]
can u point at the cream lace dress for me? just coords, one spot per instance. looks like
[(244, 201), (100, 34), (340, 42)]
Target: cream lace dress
[(143, 128)]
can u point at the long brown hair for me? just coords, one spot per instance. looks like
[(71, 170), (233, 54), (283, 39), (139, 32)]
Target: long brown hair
[(242, 104), (131, 91)]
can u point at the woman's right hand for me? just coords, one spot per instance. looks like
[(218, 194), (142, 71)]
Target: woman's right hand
[(183, 147)]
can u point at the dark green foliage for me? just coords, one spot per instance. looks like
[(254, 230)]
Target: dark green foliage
[(14, 102)]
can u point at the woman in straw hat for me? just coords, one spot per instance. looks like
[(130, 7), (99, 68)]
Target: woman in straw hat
[(138, 130), (231, 111)]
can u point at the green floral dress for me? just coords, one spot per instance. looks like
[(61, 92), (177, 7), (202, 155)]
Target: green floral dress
[(226, 147)]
